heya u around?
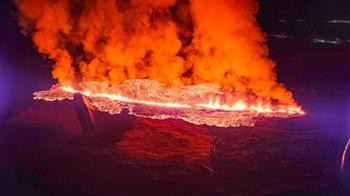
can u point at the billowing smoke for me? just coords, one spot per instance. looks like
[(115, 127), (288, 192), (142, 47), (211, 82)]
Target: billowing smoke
[(175, 42)]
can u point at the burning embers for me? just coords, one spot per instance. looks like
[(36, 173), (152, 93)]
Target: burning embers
[(197, 104)]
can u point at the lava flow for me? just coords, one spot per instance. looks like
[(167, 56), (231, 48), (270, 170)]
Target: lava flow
[(197, 104), (213, 104)]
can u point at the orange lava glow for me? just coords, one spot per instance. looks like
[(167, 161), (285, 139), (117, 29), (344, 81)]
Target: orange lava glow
[(213, 104), (198, 104), (118, 97)]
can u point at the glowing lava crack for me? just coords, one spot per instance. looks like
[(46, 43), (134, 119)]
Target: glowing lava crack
[(197, 104)]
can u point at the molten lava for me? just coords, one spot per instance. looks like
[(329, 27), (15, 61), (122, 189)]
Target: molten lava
[(213, 104), (198, 104)]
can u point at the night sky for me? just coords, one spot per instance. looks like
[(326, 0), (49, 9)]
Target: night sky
[(314, 12)]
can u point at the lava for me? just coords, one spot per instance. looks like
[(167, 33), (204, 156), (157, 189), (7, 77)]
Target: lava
[(118, 97), (213, 104), (240, 105), (146, 98)]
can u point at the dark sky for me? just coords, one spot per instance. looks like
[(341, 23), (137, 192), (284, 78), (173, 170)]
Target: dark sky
[(305, 9), (314, 12)]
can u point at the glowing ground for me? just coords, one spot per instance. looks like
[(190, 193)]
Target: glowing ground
[(198, 104)]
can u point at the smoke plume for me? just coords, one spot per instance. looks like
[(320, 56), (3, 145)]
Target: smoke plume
[(175, 42)]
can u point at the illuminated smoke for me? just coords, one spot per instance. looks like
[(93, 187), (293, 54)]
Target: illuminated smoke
[(177, 43)]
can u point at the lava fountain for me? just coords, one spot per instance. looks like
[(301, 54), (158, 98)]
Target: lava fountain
[(205, 62)]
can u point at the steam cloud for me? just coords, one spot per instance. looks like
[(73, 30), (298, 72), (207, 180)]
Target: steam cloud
[(175, 42)]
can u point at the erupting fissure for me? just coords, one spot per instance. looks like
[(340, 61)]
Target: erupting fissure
[(197, 104), (213, 104), (179, 43)]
